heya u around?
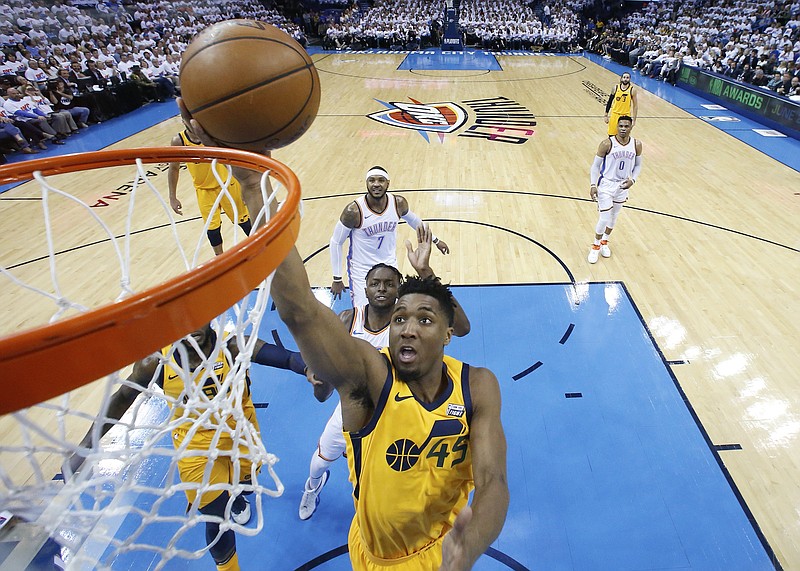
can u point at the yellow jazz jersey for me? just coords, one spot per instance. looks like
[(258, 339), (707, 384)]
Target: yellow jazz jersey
[(202, 175), (621, 105), (411, 454), (173, 388)]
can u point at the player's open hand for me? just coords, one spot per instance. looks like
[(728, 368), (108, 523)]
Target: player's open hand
[(455, 551), (420, 258), (336, 289)]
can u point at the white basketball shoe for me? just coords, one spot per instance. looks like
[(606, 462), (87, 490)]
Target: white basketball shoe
[(310, 499)]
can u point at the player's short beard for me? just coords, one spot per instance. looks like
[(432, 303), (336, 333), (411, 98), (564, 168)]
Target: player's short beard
[(408, 376)]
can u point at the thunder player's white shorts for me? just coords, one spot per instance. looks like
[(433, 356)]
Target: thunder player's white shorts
[(331, 443), (609, 192)]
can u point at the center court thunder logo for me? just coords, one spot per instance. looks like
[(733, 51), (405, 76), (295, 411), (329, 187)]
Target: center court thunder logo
[(497, 119)]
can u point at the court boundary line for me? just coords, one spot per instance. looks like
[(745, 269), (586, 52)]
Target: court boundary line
[(699, 423)]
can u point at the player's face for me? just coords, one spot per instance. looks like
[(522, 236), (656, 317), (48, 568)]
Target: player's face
[(625, 79), (624, 128), (381, 288), (377, 186), (418, 334)]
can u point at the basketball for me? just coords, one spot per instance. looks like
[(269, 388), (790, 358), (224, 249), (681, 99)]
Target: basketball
[(250, 85)]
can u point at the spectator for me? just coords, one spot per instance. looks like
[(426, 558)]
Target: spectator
[(775, 81), (9, 131), (785, 87), (63, 99), (759, 79), (35, 74), (61, 121), (22, 110)]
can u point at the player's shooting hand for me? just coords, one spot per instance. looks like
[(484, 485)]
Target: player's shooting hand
[(336, 289), (420, 258), (246, 177), (176, 205), (443, 247), (455, 551)]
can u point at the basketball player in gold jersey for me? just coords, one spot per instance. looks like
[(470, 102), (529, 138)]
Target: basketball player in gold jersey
[(193, 465), (423, 429), (622, 101), (208, 188)]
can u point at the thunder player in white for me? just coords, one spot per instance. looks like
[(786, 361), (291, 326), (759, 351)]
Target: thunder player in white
[(371, 323), (370, 222), (614, 170)]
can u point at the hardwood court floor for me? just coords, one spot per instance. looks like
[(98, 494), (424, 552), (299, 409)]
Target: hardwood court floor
[(707, 245)]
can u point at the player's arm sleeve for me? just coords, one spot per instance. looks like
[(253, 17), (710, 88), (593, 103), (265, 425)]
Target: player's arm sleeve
[(414, 221), (594, 173), (340, 234), (637, 168), (609, 102), (280, 358)]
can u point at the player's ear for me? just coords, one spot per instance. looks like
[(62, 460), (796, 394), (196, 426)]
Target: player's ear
[(448, 336)]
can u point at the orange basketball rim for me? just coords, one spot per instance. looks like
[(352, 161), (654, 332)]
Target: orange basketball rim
[(47, 361)]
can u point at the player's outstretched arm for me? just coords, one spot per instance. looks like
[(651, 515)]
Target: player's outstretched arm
[(420, 261), (476, 528), (271, 355), (326, 346)]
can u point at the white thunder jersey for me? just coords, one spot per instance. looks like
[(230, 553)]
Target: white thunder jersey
[(374, 240), (378, 339), (618, 163)]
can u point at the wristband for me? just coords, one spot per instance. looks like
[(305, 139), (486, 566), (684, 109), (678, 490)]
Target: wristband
[(436, 240), (337, 278)]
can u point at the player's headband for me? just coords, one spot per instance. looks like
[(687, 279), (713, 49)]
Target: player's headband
[(377, 172)]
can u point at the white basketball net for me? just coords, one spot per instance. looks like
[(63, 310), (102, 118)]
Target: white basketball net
[(127, 499)]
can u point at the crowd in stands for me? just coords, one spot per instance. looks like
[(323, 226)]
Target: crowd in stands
[(496, 25), (755, 42), (64, 67)]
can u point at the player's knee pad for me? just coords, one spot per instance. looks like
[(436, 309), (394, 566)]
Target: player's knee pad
[(605, 221), (215, 236), (222, 545)]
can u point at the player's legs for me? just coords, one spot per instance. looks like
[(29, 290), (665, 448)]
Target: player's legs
[(605, 205), (612, 123), (240, 509), (205, 201), (331, 446), (240, 214), (192, 469)]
